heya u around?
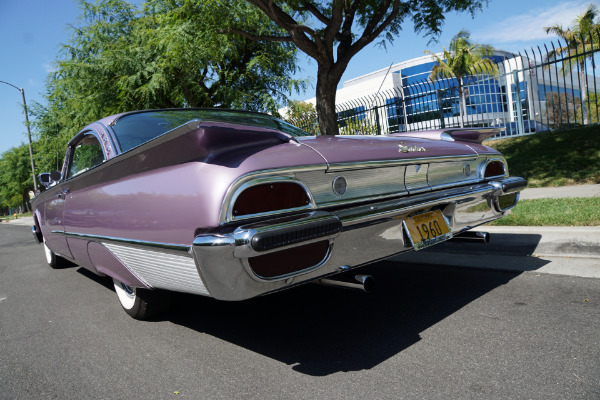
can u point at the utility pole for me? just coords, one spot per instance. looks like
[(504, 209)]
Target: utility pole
[(35, 186)]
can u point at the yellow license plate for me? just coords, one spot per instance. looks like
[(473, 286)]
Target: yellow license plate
[(427, 229)]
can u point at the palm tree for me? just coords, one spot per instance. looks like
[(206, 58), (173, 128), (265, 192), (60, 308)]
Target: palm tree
[(581, 40), (463, 58)]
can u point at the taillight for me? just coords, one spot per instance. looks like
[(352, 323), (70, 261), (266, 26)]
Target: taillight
[(290, 261), (494, 168), (270, 197)]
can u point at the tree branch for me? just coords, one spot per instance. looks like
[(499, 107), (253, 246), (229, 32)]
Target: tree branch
[(308, 6), (257, 38), (332, 30), (297, 31)]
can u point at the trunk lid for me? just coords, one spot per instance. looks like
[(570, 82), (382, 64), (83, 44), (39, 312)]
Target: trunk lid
[(356, 149)]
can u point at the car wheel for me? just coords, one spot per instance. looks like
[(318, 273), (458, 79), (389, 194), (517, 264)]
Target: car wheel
[(52, 259), (140, 303)]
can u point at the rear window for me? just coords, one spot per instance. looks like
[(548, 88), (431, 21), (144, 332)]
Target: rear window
[(135, 129)]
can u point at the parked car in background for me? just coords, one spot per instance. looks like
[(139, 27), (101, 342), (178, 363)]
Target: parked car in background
[(233, 205)]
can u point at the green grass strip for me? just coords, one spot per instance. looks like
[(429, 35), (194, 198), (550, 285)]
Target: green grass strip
[(554, 212), (557, 158)]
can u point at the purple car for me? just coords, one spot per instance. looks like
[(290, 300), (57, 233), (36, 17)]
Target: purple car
[(233, 204)]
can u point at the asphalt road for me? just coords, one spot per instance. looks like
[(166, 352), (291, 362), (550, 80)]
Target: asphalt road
[(426, 333)]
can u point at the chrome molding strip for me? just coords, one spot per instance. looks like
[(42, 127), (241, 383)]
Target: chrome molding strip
[(168, 247), (395, 163), (161, 270), (363, 183)]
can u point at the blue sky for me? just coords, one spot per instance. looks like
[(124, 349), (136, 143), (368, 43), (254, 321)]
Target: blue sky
[(31, 32)]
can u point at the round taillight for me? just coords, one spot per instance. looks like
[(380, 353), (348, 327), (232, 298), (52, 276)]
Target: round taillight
[(494, 168), (269, 197), (339, 185)]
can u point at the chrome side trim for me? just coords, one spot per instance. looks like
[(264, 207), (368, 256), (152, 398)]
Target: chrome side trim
[(415, 178), (396, 163), (361, 184), (161, 270), (165, 247), (367, 181)]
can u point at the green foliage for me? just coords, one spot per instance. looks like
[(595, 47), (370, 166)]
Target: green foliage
[(593, 109), (15, 177), (554, 158), (462, 59), (303, 115), (359, 127), (334, 31), (168, 53), (554, 212), (581, 39), (563, 110), (162, 54)]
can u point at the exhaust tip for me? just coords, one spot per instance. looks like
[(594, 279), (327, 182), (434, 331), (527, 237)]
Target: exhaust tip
[(364, 283), (367, 282), (477, 237)]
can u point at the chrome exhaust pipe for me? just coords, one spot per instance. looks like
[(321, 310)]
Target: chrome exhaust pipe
[(472, 237), (366, 283)]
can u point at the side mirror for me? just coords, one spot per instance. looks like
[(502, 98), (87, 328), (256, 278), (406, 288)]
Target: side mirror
[(49, 178), (55, 175)]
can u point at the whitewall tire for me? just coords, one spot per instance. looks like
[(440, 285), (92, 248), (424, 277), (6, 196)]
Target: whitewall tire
[(141, 303), (52, 259)]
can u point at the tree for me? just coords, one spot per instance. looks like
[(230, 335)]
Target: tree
[(582, 39), (462, 59), (303, 115), (332, 32), (359, 127), (168, 53), (593, 109), (563, 109), (15, 177)]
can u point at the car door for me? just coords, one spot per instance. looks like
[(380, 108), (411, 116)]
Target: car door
[(53, 216), (86, 154)]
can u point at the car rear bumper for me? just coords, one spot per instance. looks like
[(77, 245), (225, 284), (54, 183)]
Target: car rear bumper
[(348, 237)]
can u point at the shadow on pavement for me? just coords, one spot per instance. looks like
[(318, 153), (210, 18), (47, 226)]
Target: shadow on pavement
[(506, 244), (320, 331)]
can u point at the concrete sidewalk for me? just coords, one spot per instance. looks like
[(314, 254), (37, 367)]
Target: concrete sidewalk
[(571, 251), (20, 221), (561, 192)]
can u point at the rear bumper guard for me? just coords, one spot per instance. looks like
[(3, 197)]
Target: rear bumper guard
[(358, 235)]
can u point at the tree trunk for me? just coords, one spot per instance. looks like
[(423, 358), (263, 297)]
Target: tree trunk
[(462, 106), (584, 106), (326, 90)]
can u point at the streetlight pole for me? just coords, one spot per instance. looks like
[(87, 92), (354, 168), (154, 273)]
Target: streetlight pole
[(35, 186)]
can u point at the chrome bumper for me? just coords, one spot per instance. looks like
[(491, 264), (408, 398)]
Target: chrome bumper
[(358, 235)]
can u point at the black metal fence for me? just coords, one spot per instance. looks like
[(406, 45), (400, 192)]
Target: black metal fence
[(545, 88)]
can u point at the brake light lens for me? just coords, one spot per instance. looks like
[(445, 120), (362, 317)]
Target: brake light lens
[(494, 168), (270, 197)]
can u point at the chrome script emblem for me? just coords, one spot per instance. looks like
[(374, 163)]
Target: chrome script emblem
[(406, 149)]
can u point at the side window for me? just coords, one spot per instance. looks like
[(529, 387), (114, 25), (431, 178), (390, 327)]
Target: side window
[(87, 153)]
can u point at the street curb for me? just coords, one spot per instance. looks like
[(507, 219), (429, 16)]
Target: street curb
[(25, 221), (560, 241), (573, 251)]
